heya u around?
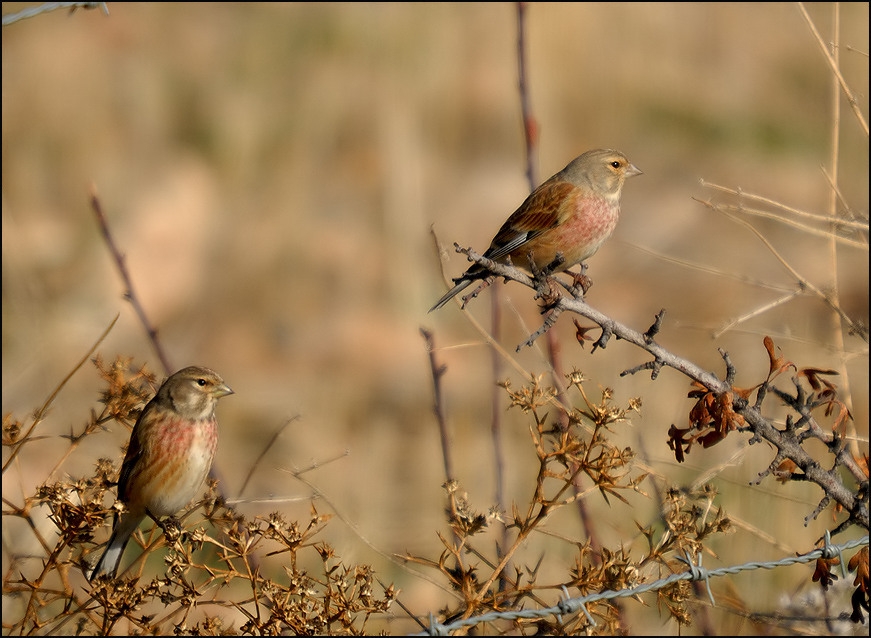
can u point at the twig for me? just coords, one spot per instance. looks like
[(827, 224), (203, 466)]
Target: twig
[(851, 99), (549, 320), (530, 126), (129, 293), (852, 224), (438, 370), (263, 452), (860, 330), (45, 7)]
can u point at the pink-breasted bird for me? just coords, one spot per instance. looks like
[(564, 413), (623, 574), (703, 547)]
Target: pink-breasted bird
[(572, 213), (169, 456)]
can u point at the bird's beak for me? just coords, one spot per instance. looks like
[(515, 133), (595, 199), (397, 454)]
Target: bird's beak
[(221, 391), (633, 170)]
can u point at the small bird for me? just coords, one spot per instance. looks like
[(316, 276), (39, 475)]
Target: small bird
[(169, 456), (572, 213)]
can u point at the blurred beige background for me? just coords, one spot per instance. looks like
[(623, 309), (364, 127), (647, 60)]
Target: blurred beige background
[(273, 172)]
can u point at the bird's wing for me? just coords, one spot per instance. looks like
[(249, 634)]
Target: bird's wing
[(542, 210), (134, 451)]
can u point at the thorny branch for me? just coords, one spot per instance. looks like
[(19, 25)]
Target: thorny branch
[(720, 391)]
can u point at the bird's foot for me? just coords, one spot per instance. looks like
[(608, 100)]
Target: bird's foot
[(549, 293), (580, 282), (170, 526)]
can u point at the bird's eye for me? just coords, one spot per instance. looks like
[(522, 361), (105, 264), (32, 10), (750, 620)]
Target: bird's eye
[(615, 164), (201, 383)]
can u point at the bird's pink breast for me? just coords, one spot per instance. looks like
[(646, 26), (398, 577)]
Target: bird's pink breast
[(578, 238), (176, 465)]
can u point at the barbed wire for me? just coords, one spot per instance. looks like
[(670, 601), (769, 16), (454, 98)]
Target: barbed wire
[(695, 573), (45, 7)]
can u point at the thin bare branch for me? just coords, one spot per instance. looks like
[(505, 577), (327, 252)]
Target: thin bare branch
[(851, 99)]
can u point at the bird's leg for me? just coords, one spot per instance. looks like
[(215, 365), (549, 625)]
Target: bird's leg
[(556, 263)]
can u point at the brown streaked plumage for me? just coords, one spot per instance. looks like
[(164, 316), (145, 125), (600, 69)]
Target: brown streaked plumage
[(572, 213)]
